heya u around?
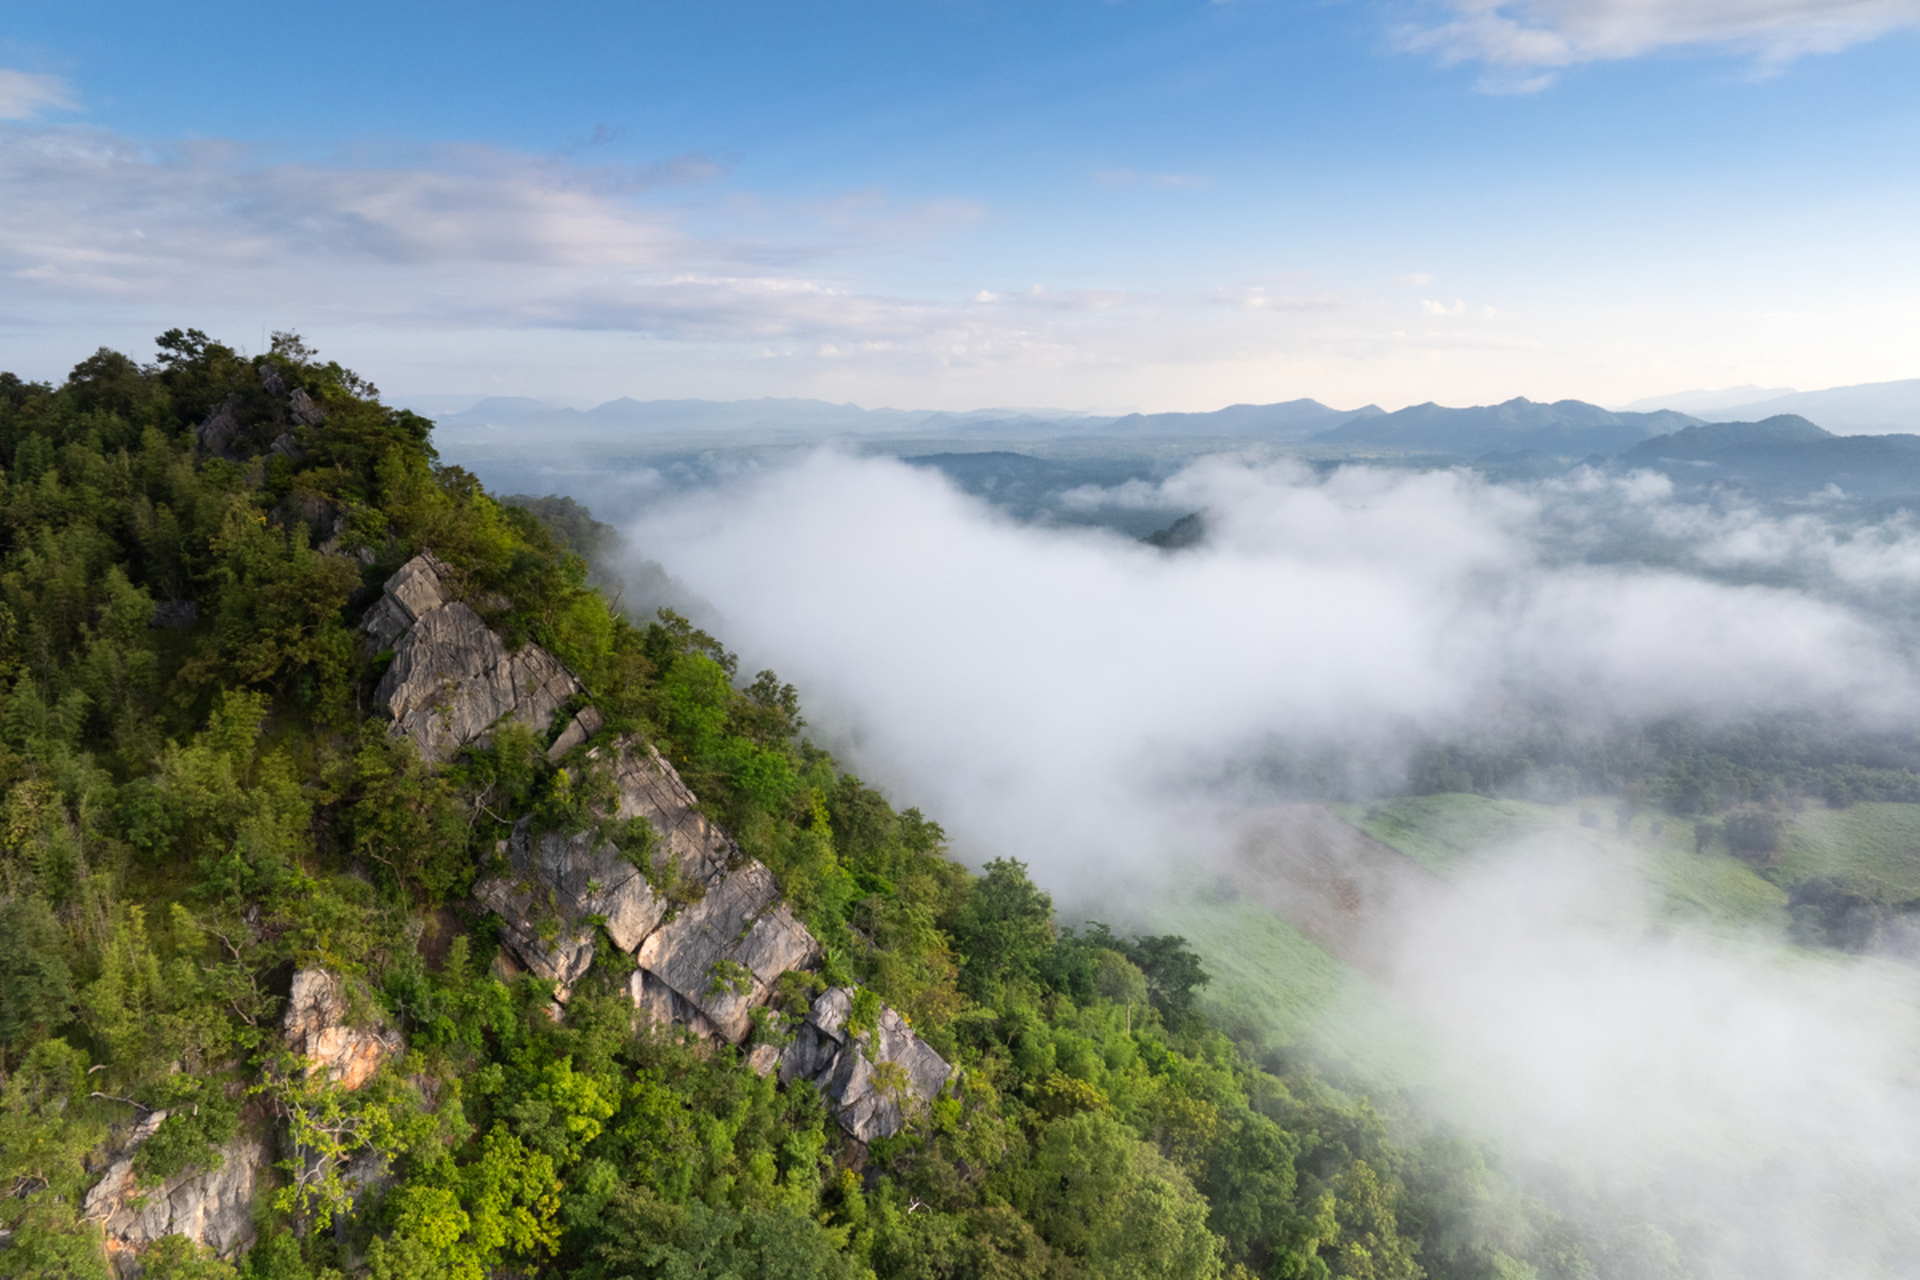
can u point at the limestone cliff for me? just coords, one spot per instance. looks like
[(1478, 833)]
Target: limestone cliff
[(710, 936), (706, 925), (319, 1030)]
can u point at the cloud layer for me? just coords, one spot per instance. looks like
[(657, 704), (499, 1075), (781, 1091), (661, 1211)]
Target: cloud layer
[(25, 95), (995, 673), (1759, 1108), (1521, 42), (1095, 707)]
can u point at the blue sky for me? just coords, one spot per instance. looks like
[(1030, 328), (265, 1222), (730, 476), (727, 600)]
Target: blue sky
[(953, 204)]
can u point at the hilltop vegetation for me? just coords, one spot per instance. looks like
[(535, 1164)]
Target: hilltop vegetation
[(200, 802)]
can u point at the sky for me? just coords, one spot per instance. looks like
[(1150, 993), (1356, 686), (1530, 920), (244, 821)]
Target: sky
[(1160, 204)]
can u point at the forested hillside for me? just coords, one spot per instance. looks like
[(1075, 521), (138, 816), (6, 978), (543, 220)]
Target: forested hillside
[(249, 927)]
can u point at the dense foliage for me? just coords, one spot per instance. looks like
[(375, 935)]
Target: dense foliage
[(197, 802)]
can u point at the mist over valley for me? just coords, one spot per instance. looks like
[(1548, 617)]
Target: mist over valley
[(1587, 787)]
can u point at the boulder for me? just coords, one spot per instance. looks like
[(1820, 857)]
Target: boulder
[(317, 1029), (213, 1208), (872, 1081), (452, 679)]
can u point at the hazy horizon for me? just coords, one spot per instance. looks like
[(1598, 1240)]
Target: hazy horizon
[(1711, 405)]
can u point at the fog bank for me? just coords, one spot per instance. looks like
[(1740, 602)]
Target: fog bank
[(1099, 708), (1058, 695)]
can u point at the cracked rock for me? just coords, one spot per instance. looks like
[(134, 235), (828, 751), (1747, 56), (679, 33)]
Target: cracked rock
[(452, 679), (318, 1030), (213, 1208), (872, 1081)]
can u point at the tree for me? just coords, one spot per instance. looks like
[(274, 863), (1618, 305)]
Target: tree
[(36, 988), (1119, 1206), (1005, 930), (1753, 833)]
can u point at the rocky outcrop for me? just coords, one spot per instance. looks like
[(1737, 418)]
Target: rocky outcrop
[(706, 925), (710, 937), (451, 678), (222, 430), (318, 1029), (541, 933), (213, 1208), (242, 428), (648, 787), (559, 884), (302, 409), (722, 954), (873, 1080)]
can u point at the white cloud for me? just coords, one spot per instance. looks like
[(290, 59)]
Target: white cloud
[(470, 239), (25, 95), (1521, 42), (1714, 1084), (1036, 687), (1076, 700)]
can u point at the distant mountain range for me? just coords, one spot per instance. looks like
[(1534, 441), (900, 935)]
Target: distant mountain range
[(1569, 428), (1871, 408), (1706, 403), (1565, 429), (1775, 455), (790, 418), (1783, 456)]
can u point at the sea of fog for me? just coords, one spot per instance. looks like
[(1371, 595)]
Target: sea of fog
[(1097, 708)]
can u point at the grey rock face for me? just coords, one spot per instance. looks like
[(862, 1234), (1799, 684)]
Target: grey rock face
[(558, 882), (708, 963), (664, 1005), (538, 934), (304, 410), (650, 788), (214, 1208), (317, 1028), (713, 960), (583, 726), (452, 679), (723, 953), (873, 1081), (221, 429)]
